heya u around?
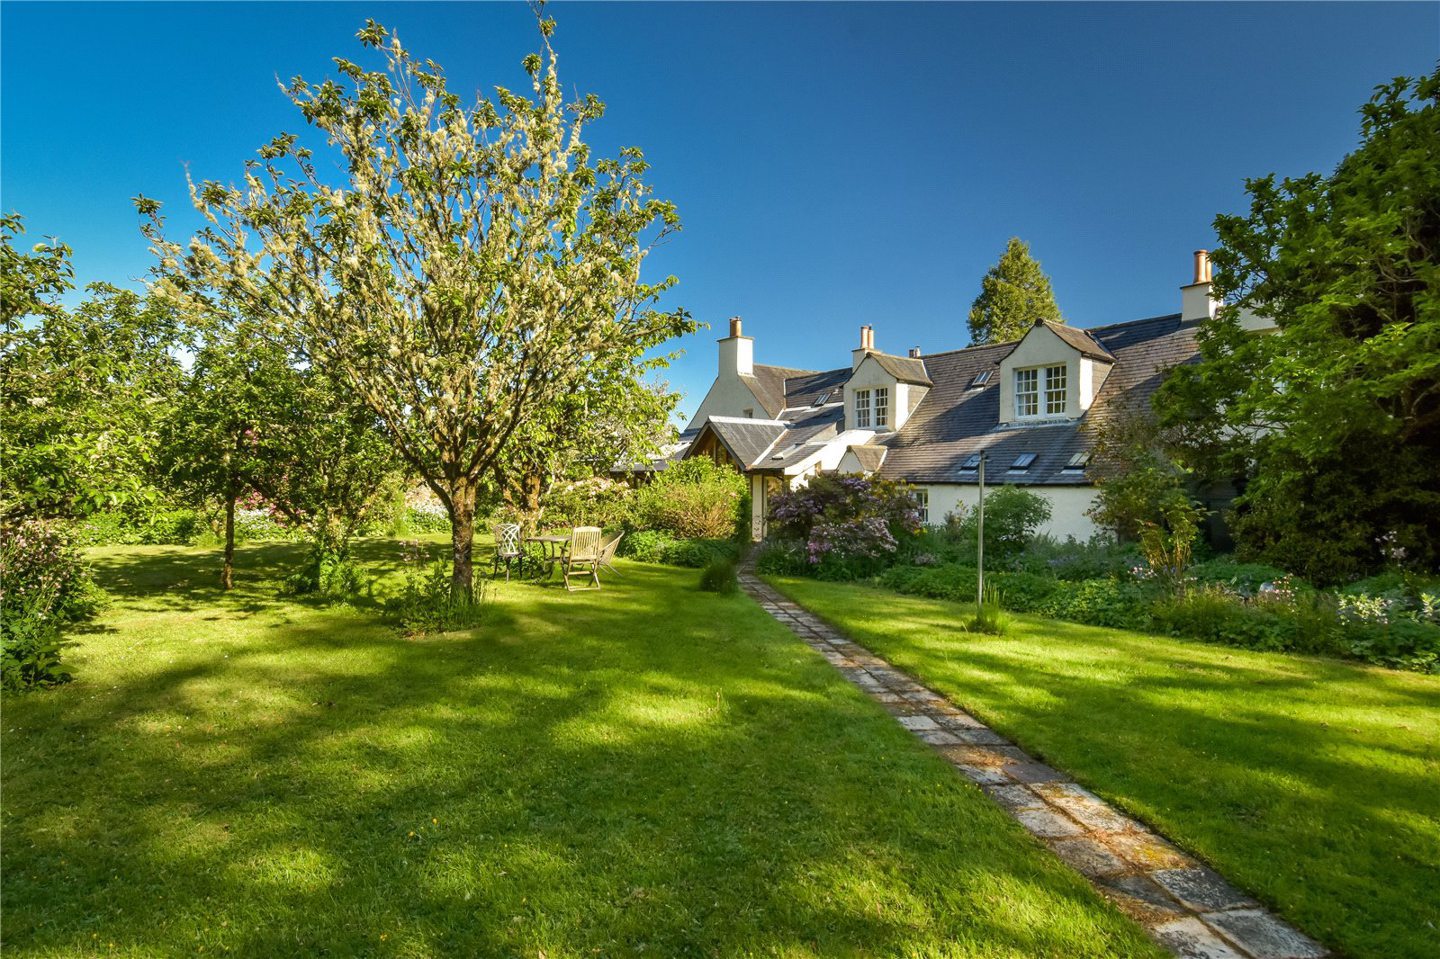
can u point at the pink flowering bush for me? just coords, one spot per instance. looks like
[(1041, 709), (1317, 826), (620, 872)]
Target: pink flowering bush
[(44, 586), (840, 527)]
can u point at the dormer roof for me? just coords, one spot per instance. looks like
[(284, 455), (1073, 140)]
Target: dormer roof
[(905, 369), (1073, 337)]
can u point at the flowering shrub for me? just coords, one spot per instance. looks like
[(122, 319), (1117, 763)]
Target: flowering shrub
[(850, 526), (44, 586), (426, 518), (593, 501)]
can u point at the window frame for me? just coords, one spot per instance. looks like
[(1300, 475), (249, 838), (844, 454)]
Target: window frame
[(862, 410), (880, 407), (922, 503), (1049, 395)]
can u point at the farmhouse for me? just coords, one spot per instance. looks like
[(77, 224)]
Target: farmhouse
[(1033, 406)]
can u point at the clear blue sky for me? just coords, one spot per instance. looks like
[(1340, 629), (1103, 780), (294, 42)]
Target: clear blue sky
[(834, 164)]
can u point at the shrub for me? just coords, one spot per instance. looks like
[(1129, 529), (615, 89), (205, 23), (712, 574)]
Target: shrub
[(693, 499), (656, 546), (1012, 514), (426, 518), (179, 527), (1102, 602), (1100, 557), (719, 577), (427, 604), (1166, 545), (1242, 578), (326, 573), (778, 557), (850, 526), (44, 586), (594, 501)]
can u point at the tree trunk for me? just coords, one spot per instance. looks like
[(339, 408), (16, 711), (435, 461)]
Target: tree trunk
[(227, 570), (462, 539)]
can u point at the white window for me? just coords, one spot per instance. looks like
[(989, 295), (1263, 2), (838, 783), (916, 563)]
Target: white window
[(1054, 391), (1032, 384), (862, 409), (882, 407), (1027, 393), (922, 501)]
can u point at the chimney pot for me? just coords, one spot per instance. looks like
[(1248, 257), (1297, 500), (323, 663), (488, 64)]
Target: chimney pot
[(735, 326), (914, 352), (1202, 266)]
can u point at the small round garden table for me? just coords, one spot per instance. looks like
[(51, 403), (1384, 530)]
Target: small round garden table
[(554, 547)]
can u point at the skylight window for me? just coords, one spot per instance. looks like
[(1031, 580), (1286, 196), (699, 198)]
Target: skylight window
[(820, 400), (980, 379), (971, 462), (1022, 462), (1078, 462)]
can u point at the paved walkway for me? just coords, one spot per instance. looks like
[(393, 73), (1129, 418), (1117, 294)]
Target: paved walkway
[(1185, 906)]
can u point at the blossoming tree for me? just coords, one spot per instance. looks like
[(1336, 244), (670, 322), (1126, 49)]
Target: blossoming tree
[(468, 271)]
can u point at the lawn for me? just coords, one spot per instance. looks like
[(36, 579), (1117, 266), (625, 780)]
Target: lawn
[(1312, 783), (645, 770)]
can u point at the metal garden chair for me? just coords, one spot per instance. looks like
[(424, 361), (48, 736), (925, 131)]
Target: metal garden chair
[(507, 548)]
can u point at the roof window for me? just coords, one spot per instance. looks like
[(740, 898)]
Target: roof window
[(971, 462), (820, 400), (1078, 462), (980, 379), (1022, 462)]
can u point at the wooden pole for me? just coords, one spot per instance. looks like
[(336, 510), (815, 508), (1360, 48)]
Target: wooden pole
[(980, 544)]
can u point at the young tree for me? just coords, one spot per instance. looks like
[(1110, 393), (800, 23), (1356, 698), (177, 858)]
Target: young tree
[(1332, 420), (250, 419), (1014, 295), (472, 269)]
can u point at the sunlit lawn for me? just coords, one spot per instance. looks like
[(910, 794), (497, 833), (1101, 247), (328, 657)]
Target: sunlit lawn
[(645, 770), (1313, 783)]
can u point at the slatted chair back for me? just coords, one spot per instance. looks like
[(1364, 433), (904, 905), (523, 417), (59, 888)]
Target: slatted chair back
[(585, 544), (607, 551)]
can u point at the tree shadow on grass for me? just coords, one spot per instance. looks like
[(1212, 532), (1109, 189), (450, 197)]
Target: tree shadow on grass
[(1310, 782), (640, 770)]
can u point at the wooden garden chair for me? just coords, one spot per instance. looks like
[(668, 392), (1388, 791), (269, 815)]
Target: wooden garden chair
[(507, 548), (582, 557), (607, 553)]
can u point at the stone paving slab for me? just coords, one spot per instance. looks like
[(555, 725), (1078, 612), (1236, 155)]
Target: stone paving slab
[(1185, 906)]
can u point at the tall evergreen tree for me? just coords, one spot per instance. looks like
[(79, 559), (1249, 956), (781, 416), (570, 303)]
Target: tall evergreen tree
[(1014, 294)]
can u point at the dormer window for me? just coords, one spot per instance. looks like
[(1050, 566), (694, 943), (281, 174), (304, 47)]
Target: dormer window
[(1037, 384), (872, 408)]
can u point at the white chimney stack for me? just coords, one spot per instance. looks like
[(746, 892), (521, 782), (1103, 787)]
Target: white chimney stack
[(737, 352), (1196, 303), (867, 345)]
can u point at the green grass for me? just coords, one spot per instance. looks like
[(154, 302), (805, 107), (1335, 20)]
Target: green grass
[(1312, 783), (644, 770)]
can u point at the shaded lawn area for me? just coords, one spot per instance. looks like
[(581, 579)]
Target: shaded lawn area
[(1312, 783), (645, 770)]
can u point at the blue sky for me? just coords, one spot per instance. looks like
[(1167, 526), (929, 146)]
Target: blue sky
[(834, 165)]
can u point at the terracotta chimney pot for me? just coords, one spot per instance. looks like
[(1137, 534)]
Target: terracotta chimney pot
[(1202, 266), (734, 326)]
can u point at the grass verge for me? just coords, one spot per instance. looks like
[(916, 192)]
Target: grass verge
[(1312, 783)]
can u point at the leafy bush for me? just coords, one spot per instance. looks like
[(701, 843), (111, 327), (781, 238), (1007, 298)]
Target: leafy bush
[(656, 546), (693, 499), (1012, 514), (851, 526), (719, 577), (594, 501), (779, 557), (427, 604), (326, 573), (1100, 557), (1243, 578), (426, 518), (163, 528), (44, 586)]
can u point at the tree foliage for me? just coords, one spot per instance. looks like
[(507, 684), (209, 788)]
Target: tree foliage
[(1014, 295), (474, 269), (1331, 421), (82, 393)]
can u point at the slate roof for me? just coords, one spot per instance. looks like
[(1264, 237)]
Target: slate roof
[(953, 421), (804, 388), (871, 457), (769, 386), (1081, 340), (746, 439), (905, 369)]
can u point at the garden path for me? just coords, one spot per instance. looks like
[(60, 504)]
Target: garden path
[(1182, 904)]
